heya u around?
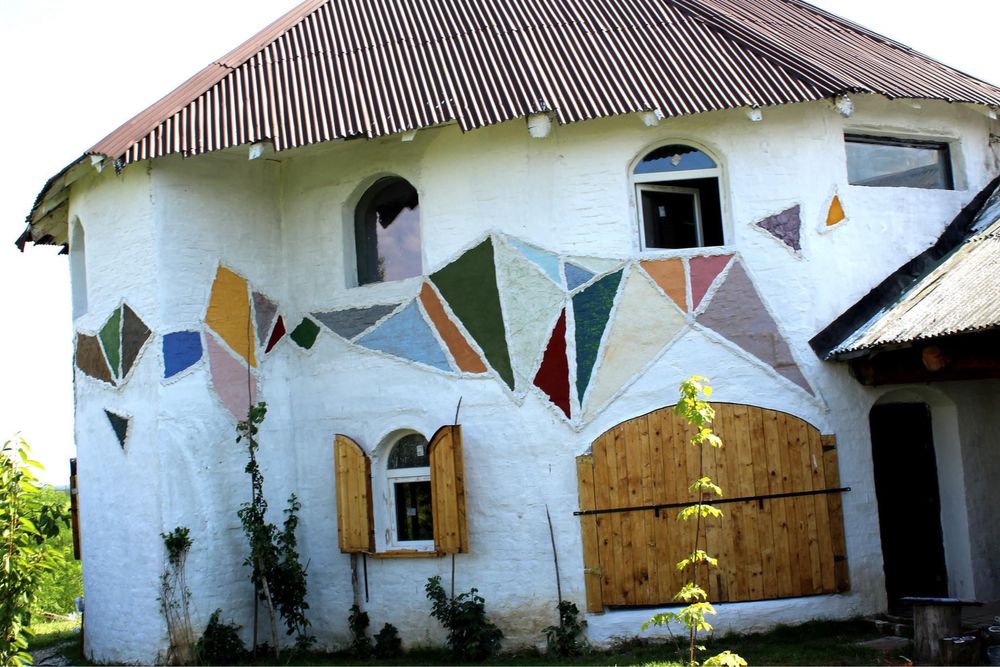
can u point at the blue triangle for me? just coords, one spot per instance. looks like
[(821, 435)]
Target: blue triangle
[(407, 335), (546, 261), (575, 276)]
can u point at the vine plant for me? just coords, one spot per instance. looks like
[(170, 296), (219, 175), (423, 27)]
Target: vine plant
[(279, 578), (698, 413), (175, 597)]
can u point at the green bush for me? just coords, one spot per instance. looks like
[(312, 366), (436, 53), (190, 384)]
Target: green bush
[(361, 645), (471, 635), (388, 645), (563, 639), (220, 644), (59, 586)]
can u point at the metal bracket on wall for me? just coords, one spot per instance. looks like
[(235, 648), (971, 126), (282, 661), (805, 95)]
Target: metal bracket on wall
[(722, 501)]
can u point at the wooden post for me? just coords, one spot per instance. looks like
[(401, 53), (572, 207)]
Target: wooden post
[(933, 618)]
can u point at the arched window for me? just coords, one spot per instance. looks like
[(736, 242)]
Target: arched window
[(78, 268), (387, 232), (677, 198), (408, 475)]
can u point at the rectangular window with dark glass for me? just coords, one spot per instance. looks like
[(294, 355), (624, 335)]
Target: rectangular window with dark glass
[(414, 521), (899, 163)]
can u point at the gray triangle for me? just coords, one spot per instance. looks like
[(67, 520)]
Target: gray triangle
[(264, 309), (350, 322)]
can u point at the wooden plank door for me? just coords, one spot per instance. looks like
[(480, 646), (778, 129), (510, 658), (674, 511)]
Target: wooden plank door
[(783, 537)]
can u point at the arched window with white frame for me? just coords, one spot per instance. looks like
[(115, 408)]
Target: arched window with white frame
[(677, 197)]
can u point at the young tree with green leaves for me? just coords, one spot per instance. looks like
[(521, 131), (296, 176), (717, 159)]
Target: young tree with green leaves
[(26, 526), (698, 413)]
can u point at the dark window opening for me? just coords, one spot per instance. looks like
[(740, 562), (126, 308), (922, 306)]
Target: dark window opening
[(886, 162), (387, 232), (414, 521), (678, 198)]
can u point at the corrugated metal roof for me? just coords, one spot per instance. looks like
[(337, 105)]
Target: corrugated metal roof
[(960, 295), (333, 69)]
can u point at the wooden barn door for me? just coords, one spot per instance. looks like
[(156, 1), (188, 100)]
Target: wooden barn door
[(782, 534)]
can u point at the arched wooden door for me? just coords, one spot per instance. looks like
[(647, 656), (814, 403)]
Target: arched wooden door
[(782, 534)]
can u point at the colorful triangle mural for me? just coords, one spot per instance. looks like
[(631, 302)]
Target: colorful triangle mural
[(469, 285), (350, 322), (546, 261), (784, 226), (264, 311), (591, 310), (235, 386), (704, 271), (120, 426), (737, 313), (228, 313), (576, 276), (407, 335), (553, 374), (135, 333), (466, 357), (669, 276), (111, 340), (181, 351), (90, 358)]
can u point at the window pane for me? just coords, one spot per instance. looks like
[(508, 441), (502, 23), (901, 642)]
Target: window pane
[(387, 231), (670, 219), (409, 452), (413, 511), (675, 157), (878, 162)]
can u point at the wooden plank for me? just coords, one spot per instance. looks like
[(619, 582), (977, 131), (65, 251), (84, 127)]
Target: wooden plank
[(804, 585), (604, 467), (831, 471), (763, 519), (352, 474), (808, 505), (732, 560), (651, 567), (463, 514), (821, 502), (662, 456), (745, 465), (796, 541), (624, 580), (588, 530), (675, 464), (448, 490)]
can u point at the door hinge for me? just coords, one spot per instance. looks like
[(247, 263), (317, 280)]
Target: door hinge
[(594, 570)]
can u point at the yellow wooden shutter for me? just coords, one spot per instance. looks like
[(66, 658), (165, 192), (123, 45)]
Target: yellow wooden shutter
[(352, 467), (451, 534)]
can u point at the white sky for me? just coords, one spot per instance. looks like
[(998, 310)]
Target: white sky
[(74, 70)]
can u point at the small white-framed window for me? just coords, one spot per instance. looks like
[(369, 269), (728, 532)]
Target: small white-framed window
[(677, 198), (890, 162), (408, 493)]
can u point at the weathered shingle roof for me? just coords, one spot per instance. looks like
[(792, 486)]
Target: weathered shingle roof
[(333, 69), (958, 293)]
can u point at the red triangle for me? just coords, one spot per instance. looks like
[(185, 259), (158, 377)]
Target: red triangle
[(704, 271), (553, 374), (276, 334)]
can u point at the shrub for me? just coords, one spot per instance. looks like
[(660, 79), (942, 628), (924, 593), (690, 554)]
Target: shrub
[(471, 635), (388, 645), (563, 639), (220, 644), (361, 645)]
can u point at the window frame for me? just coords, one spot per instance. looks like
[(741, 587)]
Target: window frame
[(943, 146), (676, 179), (387, 480)]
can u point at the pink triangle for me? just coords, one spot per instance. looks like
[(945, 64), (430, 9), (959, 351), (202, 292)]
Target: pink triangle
[(229, 379), (704, 270)]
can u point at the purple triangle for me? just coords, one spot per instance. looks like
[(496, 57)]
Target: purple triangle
[(784, 226), (264, 310), (737, 313)]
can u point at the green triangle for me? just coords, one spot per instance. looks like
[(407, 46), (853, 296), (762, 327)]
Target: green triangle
[(469, 285), (111, 339)]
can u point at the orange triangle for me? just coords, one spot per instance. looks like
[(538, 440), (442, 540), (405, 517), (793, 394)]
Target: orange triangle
[(669, 275), (466, 357), (836, 212)]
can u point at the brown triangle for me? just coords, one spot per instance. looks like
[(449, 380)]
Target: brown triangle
[(669, 275)]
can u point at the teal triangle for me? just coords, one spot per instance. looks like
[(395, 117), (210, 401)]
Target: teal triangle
[(469, 285), (546, 261), (406, 334), (591, 310), (576, 276)]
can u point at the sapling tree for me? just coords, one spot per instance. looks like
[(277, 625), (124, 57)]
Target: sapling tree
[(279, 578), (699, 414), (175, 597), (26, 525)]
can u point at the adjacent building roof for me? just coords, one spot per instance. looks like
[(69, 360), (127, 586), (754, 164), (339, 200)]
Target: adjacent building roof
[(956, 292), (337, 69)]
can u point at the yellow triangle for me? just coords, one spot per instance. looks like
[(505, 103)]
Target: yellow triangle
[(836, 213)]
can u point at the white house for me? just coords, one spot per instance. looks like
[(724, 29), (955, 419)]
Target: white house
[(551, 213)]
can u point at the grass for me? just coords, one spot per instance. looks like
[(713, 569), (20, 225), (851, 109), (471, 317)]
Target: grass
[(813, 643)]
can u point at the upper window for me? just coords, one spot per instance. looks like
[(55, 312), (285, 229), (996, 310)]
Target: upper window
[(408, 476), (387, 232), (677, 197), (886, 162)]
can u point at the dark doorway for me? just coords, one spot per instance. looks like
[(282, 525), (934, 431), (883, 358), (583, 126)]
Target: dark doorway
[(909, 506)]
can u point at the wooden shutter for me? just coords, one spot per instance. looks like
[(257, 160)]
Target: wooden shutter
[(782, 537), (352, 468), (451, 533)]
